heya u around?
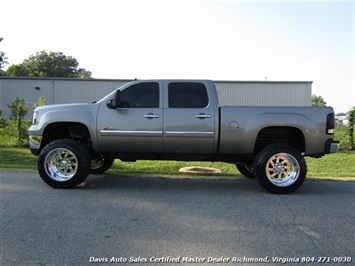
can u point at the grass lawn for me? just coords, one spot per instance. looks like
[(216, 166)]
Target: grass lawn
[(338, 166)]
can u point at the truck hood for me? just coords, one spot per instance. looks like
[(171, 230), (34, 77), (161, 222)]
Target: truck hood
[(64, 107)]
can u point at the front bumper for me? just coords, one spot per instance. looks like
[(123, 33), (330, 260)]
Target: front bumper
[(332, 146), (35, 143)]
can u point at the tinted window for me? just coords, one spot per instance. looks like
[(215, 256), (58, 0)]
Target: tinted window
[(187, 95), (142, 95)]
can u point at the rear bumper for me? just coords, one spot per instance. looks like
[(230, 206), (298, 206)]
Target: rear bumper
[(331, 146)]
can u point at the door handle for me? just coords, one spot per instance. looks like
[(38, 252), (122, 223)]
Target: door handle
[(151, 116), (202, 116)]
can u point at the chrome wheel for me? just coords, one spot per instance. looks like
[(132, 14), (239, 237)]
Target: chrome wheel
[(282, 169), (61, 164), (97, 162), (101, 164)]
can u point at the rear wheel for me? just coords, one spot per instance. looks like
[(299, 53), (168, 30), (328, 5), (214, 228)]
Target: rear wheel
[(101, 164), (64, 163), (280, 168)]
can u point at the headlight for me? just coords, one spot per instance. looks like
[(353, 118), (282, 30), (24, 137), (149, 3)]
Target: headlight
[(34, 118)]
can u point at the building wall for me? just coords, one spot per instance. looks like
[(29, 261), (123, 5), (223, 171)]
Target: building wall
[(265, 93), (237, 93), (55, 91)]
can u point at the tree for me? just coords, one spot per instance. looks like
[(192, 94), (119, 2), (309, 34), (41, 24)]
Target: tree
[(3, 59), (18, 110), (41, 102), (2, 120), (351, 128), (52, 64), (318, 101), (340, 114)]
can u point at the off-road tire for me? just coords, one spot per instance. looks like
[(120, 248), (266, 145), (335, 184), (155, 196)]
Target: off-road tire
[(280, 168), (64, 163), (101, 164), (245, 170)]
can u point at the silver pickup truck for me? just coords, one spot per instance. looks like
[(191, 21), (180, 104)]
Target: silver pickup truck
[(179, 120)]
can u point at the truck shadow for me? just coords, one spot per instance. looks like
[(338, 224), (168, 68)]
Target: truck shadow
[(169, 183), (211, 184)]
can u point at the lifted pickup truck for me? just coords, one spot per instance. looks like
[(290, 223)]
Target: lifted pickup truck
[(179, 120)]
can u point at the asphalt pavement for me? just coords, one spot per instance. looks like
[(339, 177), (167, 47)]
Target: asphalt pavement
[(113, 219)]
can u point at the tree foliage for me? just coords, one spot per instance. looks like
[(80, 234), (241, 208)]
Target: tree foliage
[(2, 120), (3, 59), (52, 64), (41, 101), (318, 100), (351, 128), (18, 110)]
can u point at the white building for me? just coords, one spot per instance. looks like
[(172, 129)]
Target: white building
[(342, 120), (65, 90)]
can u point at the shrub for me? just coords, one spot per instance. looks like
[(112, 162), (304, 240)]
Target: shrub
[(18, 110), (2, 120)]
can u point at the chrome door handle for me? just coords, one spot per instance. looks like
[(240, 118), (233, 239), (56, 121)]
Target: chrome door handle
[(202, 116), (151, 116)]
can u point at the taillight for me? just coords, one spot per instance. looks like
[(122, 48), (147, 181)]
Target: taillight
[(330, 124)]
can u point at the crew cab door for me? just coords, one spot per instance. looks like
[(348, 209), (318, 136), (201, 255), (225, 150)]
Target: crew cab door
[(189, 118), (136, 125)]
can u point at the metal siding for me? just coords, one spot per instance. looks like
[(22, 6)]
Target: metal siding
[(234, 93), (55, 91), (78, 91), (24, 89), (264, 93)]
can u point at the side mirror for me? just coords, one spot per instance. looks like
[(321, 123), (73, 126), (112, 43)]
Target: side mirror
[(115, 101)]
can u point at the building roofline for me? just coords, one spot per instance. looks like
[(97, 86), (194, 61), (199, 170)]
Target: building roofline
[(70, 79), (264, 81), (128, 80)]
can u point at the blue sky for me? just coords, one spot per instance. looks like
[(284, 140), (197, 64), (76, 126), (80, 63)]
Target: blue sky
[(220, 40)]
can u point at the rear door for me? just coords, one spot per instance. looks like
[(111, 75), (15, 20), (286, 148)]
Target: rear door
[(189, 118)]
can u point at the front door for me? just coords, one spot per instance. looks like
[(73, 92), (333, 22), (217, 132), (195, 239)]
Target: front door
[(136, 126)]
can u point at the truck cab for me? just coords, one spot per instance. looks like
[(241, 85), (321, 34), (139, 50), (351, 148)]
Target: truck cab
[(161, 116)]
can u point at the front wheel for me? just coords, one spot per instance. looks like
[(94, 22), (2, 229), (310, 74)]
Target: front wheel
[(64, 163), (246, 170), (280, 168)]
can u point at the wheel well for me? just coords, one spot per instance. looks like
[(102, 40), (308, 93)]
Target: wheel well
[(75, 131), (289, 135)]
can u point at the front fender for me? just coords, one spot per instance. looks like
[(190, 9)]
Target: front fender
[(82, 117), (84, 114)]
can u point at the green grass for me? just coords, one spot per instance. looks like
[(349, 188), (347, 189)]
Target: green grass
[(168, 167), (17, 158), (337, 165), (341, 164)]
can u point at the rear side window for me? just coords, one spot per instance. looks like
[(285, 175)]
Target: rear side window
[(187, 95), (142, 95)]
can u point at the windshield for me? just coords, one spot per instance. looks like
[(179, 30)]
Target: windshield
[(111, 94)]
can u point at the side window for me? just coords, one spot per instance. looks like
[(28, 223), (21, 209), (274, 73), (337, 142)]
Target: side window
[(187, 95), (142, 95)]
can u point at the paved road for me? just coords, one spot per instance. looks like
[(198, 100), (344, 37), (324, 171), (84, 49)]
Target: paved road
[(171, 219)]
